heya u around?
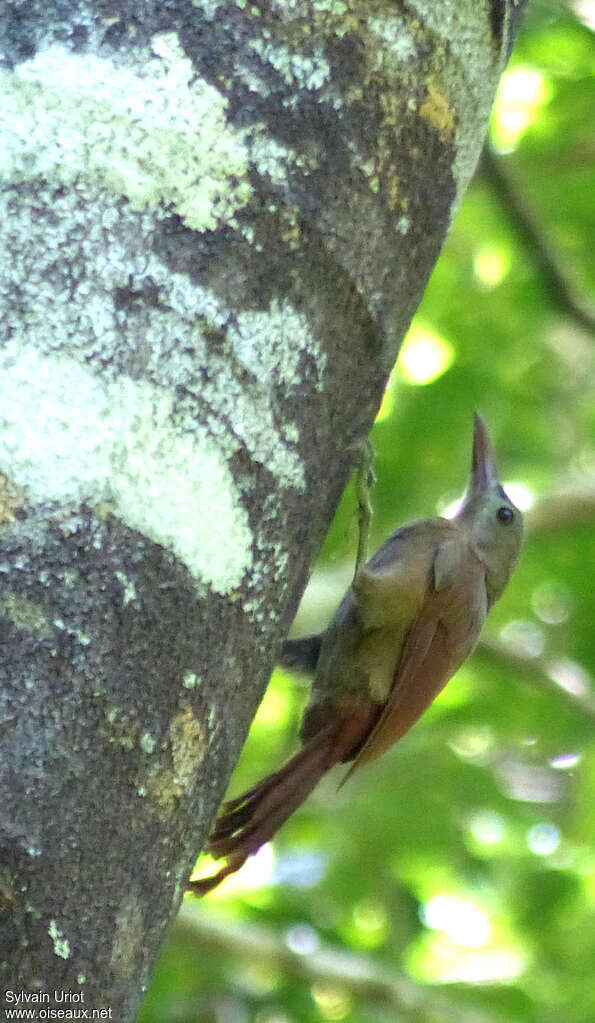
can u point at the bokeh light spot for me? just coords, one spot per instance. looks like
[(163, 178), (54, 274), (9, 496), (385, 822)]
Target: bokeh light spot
[(520, 494), (543, 839), (424, 357), (523, 91), (487, 827), (302, 939), (552, 603), (524, 638), (333, 1002), (370, 922), (490, 266), (461, 921), (566, 761)]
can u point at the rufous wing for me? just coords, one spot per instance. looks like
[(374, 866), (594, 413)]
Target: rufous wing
[(422, 672)]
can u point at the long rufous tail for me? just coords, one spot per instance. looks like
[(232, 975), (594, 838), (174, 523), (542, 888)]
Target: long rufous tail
[(253, 818)]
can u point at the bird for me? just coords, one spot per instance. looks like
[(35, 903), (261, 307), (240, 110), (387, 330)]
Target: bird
[(410, 618)]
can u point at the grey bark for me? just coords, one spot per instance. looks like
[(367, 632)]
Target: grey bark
[(217, 220)]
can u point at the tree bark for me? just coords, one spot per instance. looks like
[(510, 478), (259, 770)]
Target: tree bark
[(218, 219)]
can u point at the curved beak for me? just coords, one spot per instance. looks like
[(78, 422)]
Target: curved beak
[(484, 471)]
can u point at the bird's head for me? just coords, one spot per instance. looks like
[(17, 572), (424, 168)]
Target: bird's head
[(495, 523)]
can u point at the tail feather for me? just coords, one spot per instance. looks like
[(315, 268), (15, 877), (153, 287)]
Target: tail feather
[(301, 653), (253, 818), (254, 822), (321, 741)]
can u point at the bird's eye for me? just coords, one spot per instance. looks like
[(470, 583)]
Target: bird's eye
[(505, 515)]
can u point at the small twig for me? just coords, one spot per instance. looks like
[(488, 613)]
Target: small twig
[(555, 273)]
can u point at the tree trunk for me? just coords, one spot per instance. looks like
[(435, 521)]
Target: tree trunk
[(218, 219)]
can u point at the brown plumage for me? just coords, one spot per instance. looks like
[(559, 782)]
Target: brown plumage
[(409, 620)]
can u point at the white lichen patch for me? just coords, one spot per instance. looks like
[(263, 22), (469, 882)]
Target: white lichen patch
[(26, 614), (285, 7), (395, 45), (298, 69), (151, 133), (128, 587), (271, 344), (166, 341), (70, 436), (61, 944), (271, 159), (147, 743), (210, 7), (338, 8)]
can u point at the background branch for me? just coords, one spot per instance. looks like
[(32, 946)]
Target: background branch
[(561, 510), (557, 276), (545, 673), (358, 974)]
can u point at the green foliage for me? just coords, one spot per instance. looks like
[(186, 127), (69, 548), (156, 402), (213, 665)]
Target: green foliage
[(463, 862)]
